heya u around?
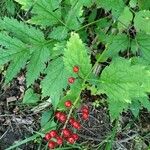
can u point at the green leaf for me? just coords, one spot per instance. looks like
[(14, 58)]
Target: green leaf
[(144, 4), (58, 49), (16, 52), (10, 7), (143, 44), (46, 12), (125, 19), (18, 62), (55, 81), (114, 45), (46, 116), (59, 33), (116, 6), (145, 102), (23, 32), (73, 17), (142, 21), (76, 55), (123, 82), (133, 3), (87, 3), (51, 125), (30, 97), (135, 108), (36, 64)]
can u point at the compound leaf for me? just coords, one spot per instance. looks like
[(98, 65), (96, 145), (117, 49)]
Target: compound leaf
[(122, 83)]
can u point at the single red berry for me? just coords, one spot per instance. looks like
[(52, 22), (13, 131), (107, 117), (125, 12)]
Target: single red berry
[(71, 120), (76, 125), (59, 140), (76, 69), (58, 114), (75, 136), (47, 137), (53, 133), (71, 80), (85, 109), (66, 132), (71, 140), (63, 117), (52, 144), (68, 103), (85, 116)]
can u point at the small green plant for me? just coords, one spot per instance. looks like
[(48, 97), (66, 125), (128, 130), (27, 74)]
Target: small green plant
[(54, 43)]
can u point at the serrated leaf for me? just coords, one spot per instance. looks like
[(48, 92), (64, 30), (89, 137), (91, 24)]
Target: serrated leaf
[(143, 45), (36, 64), (145, 102), (123, 82), (55, 81), (116, 108), (142, 21), (133, 3), (12, 46), (144, 4), (125, 19), (114, 45), (46, 12), (59, 33), (135, 108), (23, 32), (30, 97), (76, 55), (116, 6), (58, 49), (73, 17), (87, 3), (18, 62)]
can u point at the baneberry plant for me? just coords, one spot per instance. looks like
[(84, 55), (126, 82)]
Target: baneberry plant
[(54, 42)]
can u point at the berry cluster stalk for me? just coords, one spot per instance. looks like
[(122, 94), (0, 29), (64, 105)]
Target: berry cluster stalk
[(83, 84)]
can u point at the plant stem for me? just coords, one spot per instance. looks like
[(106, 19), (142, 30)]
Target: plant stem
[(83, 85)]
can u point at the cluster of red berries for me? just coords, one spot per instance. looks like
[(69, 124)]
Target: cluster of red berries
[(53, 138)]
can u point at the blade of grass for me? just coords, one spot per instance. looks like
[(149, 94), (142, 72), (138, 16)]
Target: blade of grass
[(23, 142)]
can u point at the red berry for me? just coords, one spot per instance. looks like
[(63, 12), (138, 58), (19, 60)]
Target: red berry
[(68, 103), (52, 144), (47, 137), (59, 140), (76, 69), (58, 114), (75, 136), (71, 80), (71, 140), (66, 132), (53, 133), (76, 125), (63, 117), (85, 116), (71, 120), (85, 109)]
